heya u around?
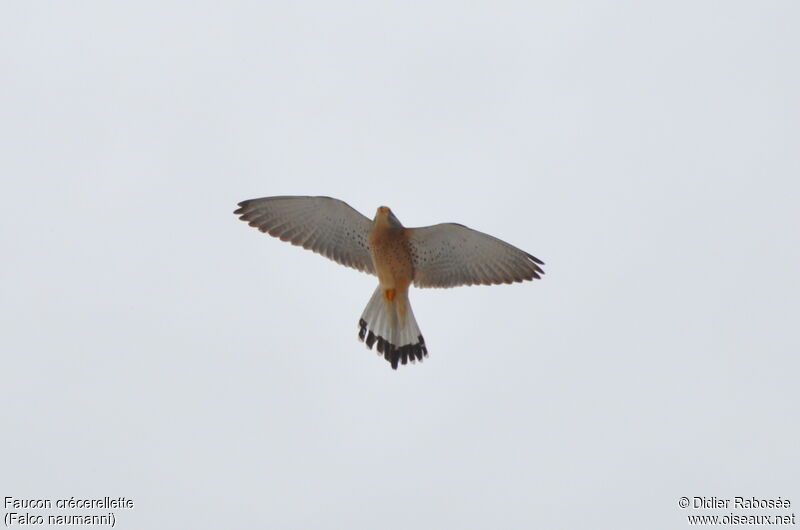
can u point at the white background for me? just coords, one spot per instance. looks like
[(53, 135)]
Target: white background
[(155, 347)]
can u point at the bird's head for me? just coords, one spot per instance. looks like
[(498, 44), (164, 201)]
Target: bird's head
[(385, 215)]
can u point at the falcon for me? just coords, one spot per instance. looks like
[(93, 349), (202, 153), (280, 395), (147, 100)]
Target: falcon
[(443, 255)]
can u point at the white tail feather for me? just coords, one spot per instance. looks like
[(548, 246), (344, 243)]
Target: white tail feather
[(392, 325)]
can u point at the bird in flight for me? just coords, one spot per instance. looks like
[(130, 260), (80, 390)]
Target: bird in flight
[(443, 255)]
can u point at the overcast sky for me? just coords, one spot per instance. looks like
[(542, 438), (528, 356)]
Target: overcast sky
[(155, 347)]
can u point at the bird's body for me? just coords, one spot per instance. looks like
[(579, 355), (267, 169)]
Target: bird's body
[(444, 255), (388, 319), (391, 256)]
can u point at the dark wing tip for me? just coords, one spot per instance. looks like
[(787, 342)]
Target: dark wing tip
[(534, 259), (241, 207)]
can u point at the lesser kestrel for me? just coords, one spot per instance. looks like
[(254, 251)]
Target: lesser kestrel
[(443, 255)]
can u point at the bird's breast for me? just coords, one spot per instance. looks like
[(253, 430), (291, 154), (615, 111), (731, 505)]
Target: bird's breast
[(391, 257)]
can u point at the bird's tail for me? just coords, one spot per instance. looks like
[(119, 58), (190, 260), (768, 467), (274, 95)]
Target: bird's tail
[(389, 321)]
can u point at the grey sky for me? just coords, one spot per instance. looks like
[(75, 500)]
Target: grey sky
[(154, 346)]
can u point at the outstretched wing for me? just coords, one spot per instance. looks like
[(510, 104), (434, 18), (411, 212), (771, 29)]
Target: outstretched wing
[(449, 254), (325, 225)]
